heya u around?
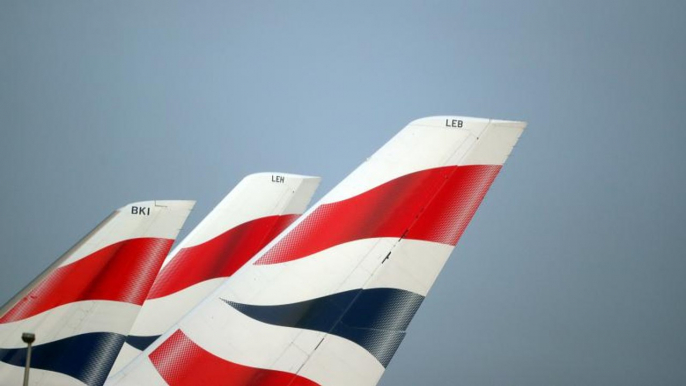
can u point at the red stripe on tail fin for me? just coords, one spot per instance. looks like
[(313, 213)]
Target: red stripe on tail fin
[(181, 362), (219, 257), (446, 198), (122, 272)]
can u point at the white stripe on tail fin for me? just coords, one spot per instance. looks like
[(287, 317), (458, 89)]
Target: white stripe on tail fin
[(329, 301)]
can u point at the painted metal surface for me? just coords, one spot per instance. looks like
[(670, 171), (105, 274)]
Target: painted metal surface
[(82, 307), (330, 299)]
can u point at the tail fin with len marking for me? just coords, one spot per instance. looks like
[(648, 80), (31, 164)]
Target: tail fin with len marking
[(247, 219)]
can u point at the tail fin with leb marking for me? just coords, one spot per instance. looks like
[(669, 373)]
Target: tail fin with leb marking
[(329, 301)]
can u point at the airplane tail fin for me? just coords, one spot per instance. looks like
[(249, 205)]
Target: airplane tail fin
[(248, 218), (81, 308), (329, 301)]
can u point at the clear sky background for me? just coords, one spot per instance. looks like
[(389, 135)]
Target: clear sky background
[(571, 273)]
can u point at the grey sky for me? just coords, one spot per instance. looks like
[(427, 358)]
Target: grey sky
[(572, 272)]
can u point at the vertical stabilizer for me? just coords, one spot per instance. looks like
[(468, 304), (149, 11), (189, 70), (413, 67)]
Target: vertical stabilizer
[(82, 307)]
